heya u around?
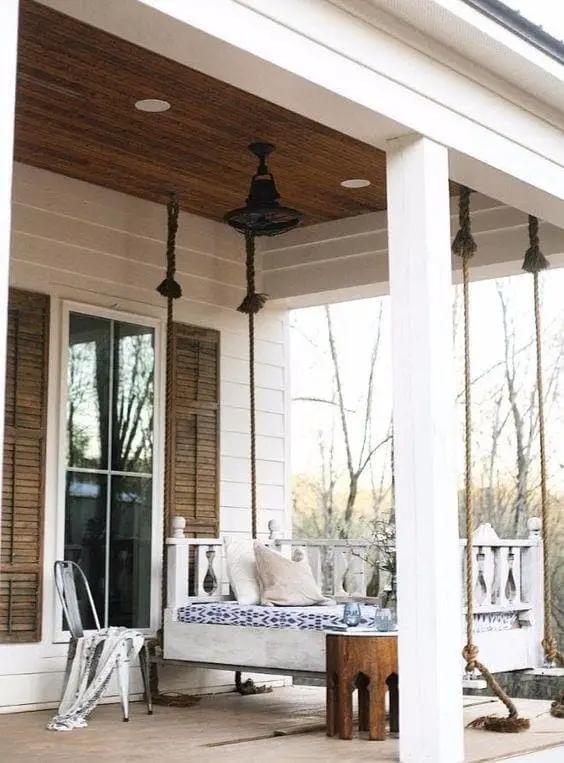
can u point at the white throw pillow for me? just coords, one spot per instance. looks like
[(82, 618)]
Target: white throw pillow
[(284, 582), (242, 569)]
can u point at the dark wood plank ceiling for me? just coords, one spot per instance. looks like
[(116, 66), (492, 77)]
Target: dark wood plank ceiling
[(75, 115)]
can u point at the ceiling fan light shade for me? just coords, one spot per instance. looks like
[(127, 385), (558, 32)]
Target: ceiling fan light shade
[(262, 214), (263, 221)]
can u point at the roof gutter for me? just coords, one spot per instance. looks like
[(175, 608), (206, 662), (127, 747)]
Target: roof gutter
[(519, 25)]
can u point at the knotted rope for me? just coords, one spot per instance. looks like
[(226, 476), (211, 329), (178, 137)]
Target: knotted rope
[(534, 263), (464, 246), (170, 289), (251, 305)]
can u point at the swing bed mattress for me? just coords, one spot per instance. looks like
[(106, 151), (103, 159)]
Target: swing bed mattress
[(227, 635), (254, 615), (291, 640)]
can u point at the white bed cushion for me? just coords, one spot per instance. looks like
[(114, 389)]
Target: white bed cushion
[(284, 582), (242, 569)]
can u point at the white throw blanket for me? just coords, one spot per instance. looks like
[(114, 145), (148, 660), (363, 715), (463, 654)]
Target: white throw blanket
[(119, 646)]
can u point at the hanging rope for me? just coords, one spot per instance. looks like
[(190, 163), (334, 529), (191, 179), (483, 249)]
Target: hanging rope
[(251, 305), (170, 289), (464, 246), (534, 263)]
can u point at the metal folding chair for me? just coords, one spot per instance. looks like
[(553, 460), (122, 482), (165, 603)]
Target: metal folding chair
[(66, 573)]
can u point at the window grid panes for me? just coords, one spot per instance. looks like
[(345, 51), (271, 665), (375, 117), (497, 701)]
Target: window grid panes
[(109, 464)]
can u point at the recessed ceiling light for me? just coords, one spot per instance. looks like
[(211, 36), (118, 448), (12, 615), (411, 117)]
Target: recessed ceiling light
[(154, 105), (355, 183)]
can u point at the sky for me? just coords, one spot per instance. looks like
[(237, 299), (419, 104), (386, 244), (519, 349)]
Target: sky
[(546, 13)]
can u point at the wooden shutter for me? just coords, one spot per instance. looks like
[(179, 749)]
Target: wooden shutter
[(21, 531), (194, 456)]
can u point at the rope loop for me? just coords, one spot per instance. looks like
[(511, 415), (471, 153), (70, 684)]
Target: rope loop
[(557, 707), (464, 244), (170, 288), (470, 654), (534, 261), (550, 647), (253, 301)]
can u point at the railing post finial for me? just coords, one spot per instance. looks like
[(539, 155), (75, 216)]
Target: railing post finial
[(178, 525), (274, 530), (534, 526)]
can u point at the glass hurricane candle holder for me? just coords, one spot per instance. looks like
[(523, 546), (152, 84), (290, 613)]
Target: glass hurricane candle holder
[(351, 613), (383, 620)]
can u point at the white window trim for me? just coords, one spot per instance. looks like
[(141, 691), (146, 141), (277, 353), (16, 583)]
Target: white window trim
[(67, 307)]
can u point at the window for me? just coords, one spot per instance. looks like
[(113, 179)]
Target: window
[(109, 463)]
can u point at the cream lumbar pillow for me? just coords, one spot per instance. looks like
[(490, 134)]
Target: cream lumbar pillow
[(242, 569), (285, 582)]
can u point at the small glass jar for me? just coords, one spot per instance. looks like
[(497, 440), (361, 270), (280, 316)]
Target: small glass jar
[(383, 620), (351, 613)]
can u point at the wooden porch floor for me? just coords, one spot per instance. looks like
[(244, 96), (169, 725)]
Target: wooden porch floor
[(234, 728)]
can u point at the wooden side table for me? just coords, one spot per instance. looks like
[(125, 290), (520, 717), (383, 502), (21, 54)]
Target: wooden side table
[(368, 662)]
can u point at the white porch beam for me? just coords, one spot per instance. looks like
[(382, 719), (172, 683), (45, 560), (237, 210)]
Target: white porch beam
[(8, 59), (348, 259), (425, 479)]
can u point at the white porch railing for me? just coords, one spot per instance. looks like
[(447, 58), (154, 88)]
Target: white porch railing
[(506, 571), (507, 585)]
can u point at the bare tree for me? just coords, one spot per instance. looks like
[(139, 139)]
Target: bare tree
[(498, 424), (523, 436), (347, 447), (355, 467), (382, 484), (328, 482)]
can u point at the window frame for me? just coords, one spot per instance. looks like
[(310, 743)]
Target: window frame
[(68, 307)]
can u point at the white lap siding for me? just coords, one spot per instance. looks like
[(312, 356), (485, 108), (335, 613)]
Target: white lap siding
[(90, 245)]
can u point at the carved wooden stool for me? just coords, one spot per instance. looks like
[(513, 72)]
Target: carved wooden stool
[(368, 662)]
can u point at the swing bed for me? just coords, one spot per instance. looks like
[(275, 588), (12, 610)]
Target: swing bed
[(202, 625)]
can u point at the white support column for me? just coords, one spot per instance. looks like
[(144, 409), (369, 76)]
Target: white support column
[(8, 57), (429, 600)]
